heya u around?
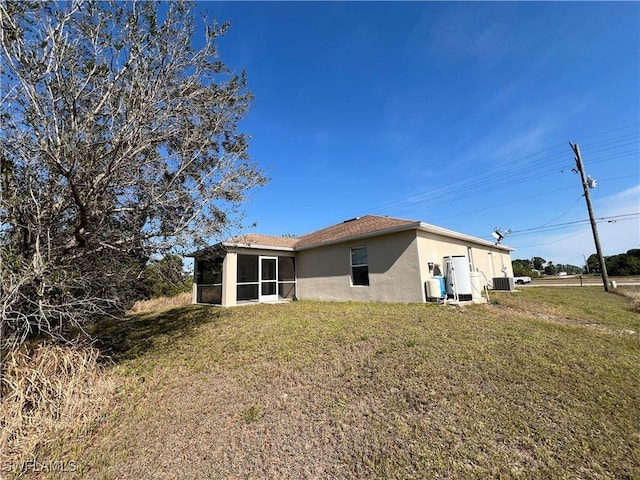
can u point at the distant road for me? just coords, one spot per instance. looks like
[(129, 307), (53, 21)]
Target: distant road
[(587, 281), (585, 284)]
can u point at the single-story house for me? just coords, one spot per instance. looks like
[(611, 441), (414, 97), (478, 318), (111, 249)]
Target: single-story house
[(369, 258)]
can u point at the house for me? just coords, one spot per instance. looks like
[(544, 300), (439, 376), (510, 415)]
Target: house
[(369, 258)]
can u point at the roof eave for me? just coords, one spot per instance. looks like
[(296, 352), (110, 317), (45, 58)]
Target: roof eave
[(256, 246), (427, 227)]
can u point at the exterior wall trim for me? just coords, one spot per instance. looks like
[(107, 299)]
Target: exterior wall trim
[(426, 227), (255, 246)]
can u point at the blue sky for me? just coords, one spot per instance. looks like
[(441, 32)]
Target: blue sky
[(455, 114)]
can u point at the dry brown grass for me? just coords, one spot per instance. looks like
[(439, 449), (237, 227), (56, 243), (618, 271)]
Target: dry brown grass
[(161, 303), (632, 293), (524, 388), (50, 395)]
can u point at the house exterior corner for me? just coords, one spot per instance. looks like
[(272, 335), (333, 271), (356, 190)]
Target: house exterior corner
[(369, 258)]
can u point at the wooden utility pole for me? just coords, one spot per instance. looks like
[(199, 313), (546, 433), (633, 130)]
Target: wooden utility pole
[(594, 228)]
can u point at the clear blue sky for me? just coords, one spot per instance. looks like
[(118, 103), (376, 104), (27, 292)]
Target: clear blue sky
[(455, 114)]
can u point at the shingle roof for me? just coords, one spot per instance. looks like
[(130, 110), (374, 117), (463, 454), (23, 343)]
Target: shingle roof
[(350, 229), (257, 239), (353, 228)]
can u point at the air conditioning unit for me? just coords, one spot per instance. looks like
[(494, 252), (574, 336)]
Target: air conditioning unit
[(503, 283)]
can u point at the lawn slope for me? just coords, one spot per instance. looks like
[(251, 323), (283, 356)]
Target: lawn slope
[(542, 383)]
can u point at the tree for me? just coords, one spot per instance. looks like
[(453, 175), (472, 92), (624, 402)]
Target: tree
[(550, 269), (522, 268), (538, 263), (119, 142), (593, 264), (164, 278), (623, 264)]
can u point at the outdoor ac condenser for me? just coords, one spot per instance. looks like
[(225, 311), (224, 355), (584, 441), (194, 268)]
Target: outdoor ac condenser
[(503, 283)]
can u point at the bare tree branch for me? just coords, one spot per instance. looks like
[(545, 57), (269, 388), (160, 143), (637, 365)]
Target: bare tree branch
[(119, 143)]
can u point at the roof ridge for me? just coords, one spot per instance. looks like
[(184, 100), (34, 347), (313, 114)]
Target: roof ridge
[(354, 227), (359, 218)]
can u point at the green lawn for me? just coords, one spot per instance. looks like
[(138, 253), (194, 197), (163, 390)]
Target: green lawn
[(543, 383)]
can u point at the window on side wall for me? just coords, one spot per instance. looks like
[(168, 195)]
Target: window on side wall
[(359, 267)]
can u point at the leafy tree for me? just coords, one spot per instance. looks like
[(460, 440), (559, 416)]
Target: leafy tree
[(633, 263), (164, 278), (618, 265), (119, 142), (523, 268), (593, 263), (623, 264), (550, 269), (538, 263)]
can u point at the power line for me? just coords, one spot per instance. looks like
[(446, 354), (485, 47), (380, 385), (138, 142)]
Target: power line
[(522, 170), (609, 141), (513, 176), (560, 216), (577, 222), (617, 129), (523, 199), (501, 204), (538, 244), (561, 226)]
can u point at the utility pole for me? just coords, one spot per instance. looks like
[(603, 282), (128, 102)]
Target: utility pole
[(594, 228)]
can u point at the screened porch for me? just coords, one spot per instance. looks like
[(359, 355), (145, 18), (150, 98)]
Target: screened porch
[(242, 278)]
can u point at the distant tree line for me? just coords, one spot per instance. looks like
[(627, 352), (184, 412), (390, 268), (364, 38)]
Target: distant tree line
[(538, 266), (617, 265)]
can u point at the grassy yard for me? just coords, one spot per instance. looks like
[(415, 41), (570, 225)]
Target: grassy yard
[(543, 383)]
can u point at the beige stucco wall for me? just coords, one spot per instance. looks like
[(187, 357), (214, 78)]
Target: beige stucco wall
[(398, 267), (394, 271), (485, 259), (229, 277)]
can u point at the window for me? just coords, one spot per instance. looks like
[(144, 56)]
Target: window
[(359, 266), (209, 281), (247, 278), (209, 272), (286, 277)]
